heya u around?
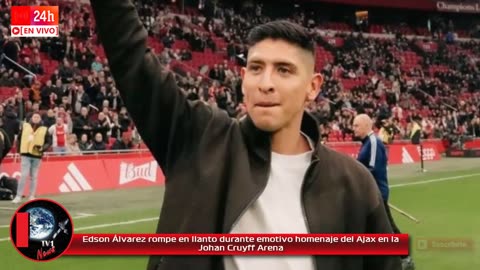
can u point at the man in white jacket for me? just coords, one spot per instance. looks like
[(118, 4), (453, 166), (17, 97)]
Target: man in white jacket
[(59, 133)]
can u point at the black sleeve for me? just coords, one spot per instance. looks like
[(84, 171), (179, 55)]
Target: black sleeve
[(2, 147), (19, 139), (169, 124), (48, 142), (16, 129)]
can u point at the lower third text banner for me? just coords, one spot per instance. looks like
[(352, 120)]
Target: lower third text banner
[(239, 244)]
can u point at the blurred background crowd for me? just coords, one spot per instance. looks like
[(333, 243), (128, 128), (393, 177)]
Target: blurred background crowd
[(396, 66)]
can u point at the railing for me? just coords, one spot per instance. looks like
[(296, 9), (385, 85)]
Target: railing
[(394, 142), (15, 157), (3, 56)]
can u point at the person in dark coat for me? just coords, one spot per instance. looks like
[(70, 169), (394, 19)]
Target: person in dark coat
[(98, 144), (264, 173), (82, 124), (373, 155), (11, 124), (125, 143), (5, 142)]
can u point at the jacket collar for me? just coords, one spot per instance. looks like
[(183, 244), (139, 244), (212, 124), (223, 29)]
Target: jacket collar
[(260, 141), (364, 140)]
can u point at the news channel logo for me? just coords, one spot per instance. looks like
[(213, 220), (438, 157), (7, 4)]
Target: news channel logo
[(34, 21), (41, 230)]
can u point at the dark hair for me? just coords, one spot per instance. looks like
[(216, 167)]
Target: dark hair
[(283, 30)]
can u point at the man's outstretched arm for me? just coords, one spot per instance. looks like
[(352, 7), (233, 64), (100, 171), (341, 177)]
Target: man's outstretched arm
[(159, 109)]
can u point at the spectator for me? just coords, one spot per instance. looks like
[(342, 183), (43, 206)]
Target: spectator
[(79, 98), (66, 72), (359, 58), (82, 124), (101, 96), (98, 143), (16, 80), (47, 94), (4, 80), (11, 124), (116, 128), (125, 143), (124, 119), (97, 65), (19, 104), (115, 100), (102, 126), (37, 67), (59, 133), (84, 144), (11, 48), (49, 119), (72, 146)]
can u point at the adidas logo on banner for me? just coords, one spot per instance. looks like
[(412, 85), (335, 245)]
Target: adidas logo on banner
[(74, 181), (406, 158)]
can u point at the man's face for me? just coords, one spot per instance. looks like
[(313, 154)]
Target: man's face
[(360, 128), (72, 139), (277, 82)]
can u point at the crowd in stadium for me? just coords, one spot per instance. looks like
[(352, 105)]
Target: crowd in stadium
[(393, 79)]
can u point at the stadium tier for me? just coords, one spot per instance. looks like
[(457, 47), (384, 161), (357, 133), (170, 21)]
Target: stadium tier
[(391, 77), (396, 123)]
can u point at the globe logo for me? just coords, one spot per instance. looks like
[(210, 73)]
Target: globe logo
[(41, 230), (42, 223)]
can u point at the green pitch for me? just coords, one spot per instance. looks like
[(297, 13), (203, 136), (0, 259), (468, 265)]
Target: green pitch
[(445, 199)]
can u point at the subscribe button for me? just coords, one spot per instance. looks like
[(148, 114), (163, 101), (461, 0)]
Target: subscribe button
[(447, 244)]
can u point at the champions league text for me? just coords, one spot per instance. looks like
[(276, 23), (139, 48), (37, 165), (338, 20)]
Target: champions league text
[(239, 244)]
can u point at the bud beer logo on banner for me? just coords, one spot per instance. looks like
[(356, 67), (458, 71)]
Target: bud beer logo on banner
[(34, 21), (41, 230), (130, 172)]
